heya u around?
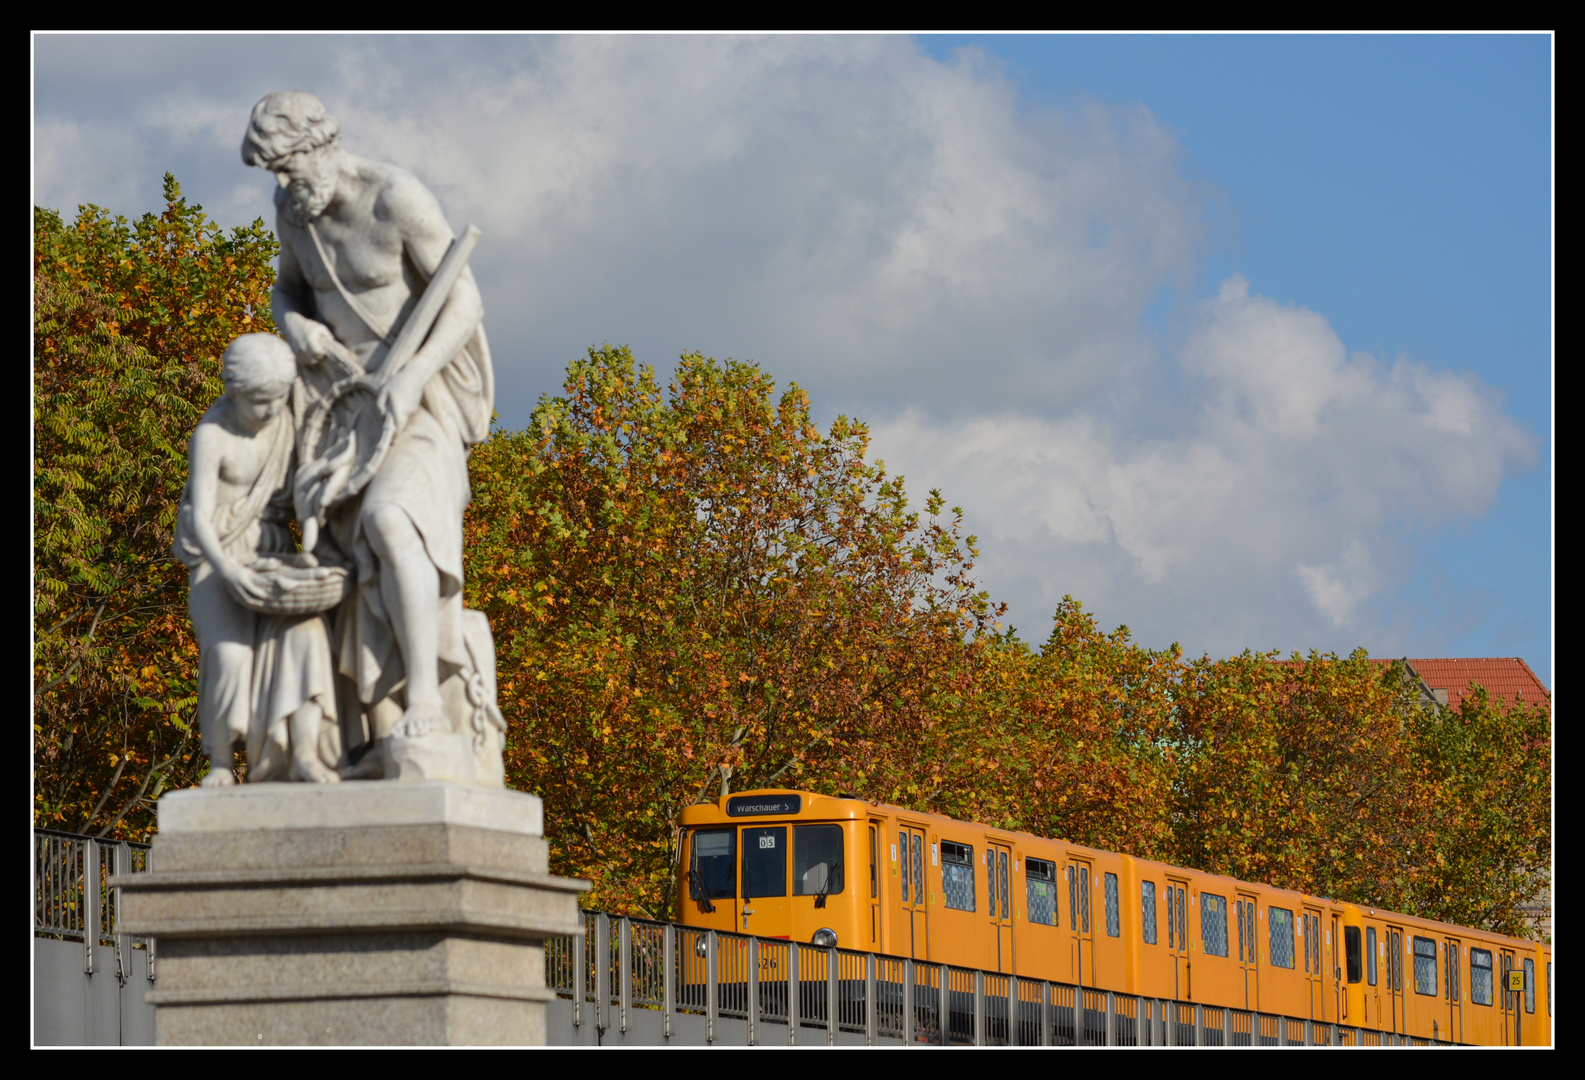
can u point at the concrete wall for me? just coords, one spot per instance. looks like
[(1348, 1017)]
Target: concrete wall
[(73, 1008)]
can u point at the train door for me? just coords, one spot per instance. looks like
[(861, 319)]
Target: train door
[(1244, 909), (1373, 1010), (998, 891), (1397, 1020), (1452, 989), (1178, 937), (1334, 966), (1079, 919), (876, 885), (764, 905), (1510, 1003), (1314, 978), (914, 895)]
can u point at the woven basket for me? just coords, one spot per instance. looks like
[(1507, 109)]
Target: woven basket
[(296, 587)]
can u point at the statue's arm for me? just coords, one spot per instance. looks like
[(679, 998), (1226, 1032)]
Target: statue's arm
[(425, 239), (205, 453), (291, 305)]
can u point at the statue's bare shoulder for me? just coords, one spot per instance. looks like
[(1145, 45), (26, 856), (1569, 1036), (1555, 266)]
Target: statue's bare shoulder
[(403, 202)]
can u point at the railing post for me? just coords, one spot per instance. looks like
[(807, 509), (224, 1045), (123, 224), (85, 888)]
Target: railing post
[(1199, 1025), (908, 1002), (1045, 1012), (602, 971), (1012, 1010), (1111, 1019), (1309, 1033), (979, 1007), (1331, 1034), (580, 973), (122, 864), (794, 992), (944, 999), (870, 1027), (833, 1009), (1227, 1026), (753, 990), (90, 908), (668, 993), (711, 988), (624, 970)]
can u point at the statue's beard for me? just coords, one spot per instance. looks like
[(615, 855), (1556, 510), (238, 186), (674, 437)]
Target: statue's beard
[(309, 200), (309, 197)]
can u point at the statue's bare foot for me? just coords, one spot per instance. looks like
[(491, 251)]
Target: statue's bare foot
[(420, 720), (312, 771), (217, 777)]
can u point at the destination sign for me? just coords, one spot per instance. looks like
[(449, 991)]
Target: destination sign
[(761, 805)]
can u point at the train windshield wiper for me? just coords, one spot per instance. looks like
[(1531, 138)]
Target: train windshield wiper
[(833, 881)]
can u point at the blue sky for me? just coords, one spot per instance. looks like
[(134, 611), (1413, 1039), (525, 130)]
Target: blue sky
[(1243, 341)]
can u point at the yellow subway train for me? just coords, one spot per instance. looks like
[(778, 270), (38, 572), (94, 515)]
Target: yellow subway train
[(847, 872)]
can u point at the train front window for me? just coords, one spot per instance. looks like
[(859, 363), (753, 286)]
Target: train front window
[(817, 860), (957, 875), (710, 870), (1351, 951), (1040, 889), (764, 862)]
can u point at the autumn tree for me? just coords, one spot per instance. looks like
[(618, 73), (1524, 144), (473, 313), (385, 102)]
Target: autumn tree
[(695, 590), (130, 320)]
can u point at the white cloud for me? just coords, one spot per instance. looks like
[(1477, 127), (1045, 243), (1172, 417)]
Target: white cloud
[(1287, 503)]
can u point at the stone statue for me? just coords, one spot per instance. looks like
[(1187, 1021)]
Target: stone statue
[(391, 383), (265, 677)]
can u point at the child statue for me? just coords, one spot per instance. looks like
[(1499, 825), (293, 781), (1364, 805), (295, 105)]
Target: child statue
[(266, 680)]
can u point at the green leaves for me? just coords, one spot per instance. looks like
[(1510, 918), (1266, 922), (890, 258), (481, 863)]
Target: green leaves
[(130, 320)]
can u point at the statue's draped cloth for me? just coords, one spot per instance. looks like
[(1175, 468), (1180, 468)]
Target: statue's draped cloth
[(425, 476), (256, 670)]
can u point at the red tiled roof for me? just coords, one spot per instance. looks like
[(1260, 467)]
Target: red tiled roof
[(1504, 677)]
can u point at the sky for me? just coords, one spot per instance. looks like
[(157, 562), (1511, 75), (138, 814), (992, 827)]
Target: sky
[(1242, 341)]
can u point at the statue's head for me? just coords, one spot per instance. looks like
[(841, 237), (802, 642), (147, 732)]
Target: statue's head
[(292, 135), (259, 369)]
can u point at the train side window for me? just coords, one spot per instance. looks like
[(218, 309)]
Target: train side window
[(1452, 972), (1351, 952), (1281, 922), (817, 860), (1002, 887), (1425, 966), (1147, 909), (902, 842), (1370, 955), (916, 848), (957, 875), (1480, 976), (1073, 897), (1529, 985), (1213, 923), (1084, 899), (712, 865), (1114, 927), (875, 873), (1040, 888), (990, 880)]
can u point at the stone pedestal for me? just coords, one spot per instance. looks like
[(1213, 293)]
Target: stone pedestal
[(380, 912)]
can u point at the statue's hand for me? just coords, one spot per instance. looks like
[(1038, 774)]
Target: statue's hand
[(313, 341), (399, 398), (250, 588)]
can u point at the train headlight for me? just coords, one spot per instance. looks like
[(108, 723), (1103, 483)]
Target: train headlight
[(825, 937)]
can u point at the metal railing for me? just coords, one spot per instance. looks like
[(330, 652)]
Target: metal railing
[(72, 900), (818, 994)]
